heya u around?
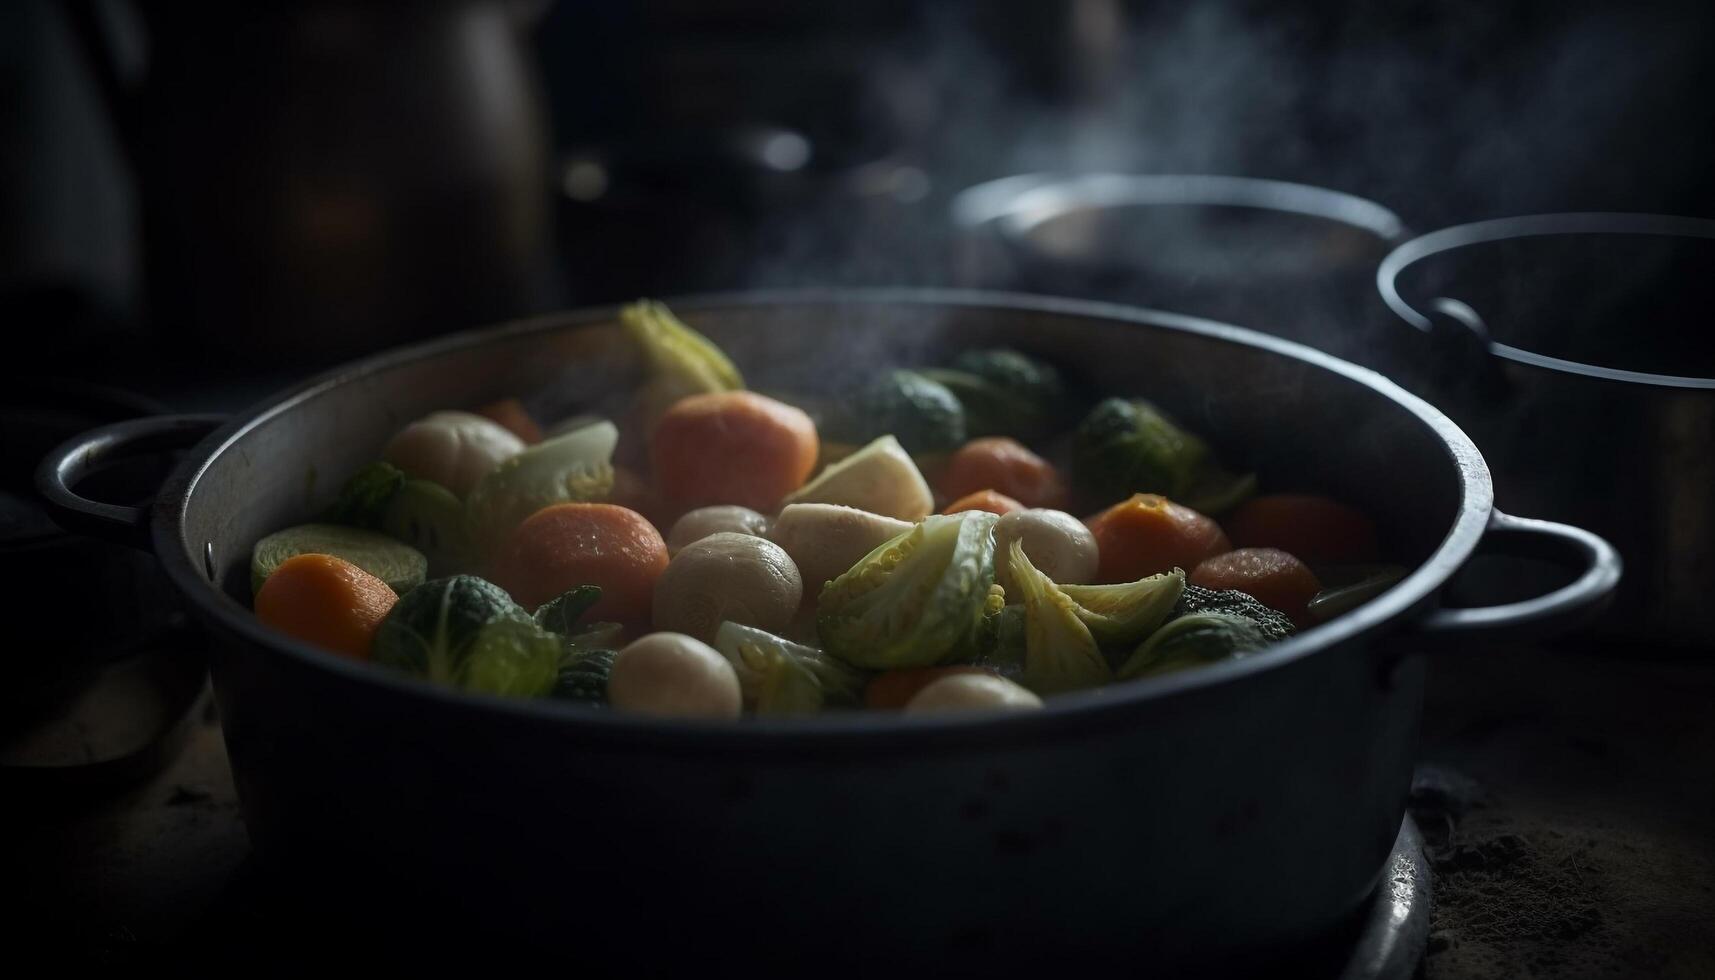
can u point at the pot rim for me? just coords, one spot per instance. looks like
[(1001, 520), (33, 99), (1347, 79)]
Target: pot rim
[(1099, 707), (1456, 237)]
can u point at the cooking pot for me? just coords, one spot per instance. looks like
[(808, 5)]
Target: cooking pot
[(1223, 812), (1290, 259), (1589, 375)]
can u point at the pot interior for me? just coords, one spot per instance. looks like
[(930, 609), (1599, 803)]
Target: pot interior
[(1284, 412)]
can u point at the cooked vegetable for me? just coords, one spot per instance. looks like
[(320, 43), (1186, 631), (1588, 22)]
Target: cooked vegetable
[(679, 361), (972, 692), (914, 599), (894, 689), (512, 657), (433, 629), (922, 414), (572, 423), (571, 468), (779, 677), (327, 601), (453, 449), (401, 566), (567, 545), (510, 414), (732, 447), (673, 675), (727, 576), (1335, 600), (1269, 575), (998, 504), (1005, 466), (1148, 534), (428, 517), (1190, 641), (561, 613), (1121, 615), (364, 498), (990, 409), (584, 677), (1128, 446), (1018, 374), (879, 478), (1196, 600), (1060, 653), (824, 540), (1057, 543), (1316, 529), (704, 521)]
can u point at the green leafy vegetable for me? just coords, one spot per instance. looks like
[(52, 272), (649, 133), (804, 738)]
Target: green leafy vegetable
[(560, 616), (1191, 641), (584, 677), (779, 677), (363, 499), (922, 414), (913, 600), (1125, 613), (511, 657), (574, 467), (1127, 446), (1060, 654), (432, 630), (428, 517), (1273, 623), (679, 361)]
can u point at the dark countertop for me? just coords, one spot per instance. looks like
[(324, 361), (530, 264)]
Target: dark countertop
[(1583, 847)]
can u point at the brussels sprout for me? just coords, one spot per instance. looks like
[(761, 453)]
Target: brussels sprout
[(1020, 374), (364, 498), (1190, 641), (1060, 654), (913, 600), (428, 517), (432, 629), (779, 677), (584, 677), (1273, 623), (991, 410), (922, 414), (512, 657), (573, 467), (1125, 613), (1124, 447), (679, 361)]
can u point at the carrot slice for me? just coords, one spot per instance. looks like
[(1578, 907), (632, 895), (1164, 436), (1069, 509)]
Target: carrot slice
[(1316, 529), (1147, 534), (510, 413), (733, 447), (989, 500), (327, 601), (1269, 575), (1005, 466), (561, 547)]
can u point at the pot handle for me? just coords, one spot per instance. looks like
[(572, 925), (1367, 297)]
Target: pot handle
[(71, 461), (1556, 612)]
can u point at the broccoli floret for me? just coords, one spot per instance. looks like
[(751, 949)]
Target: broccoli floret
[(918, 411), (1196, 600)]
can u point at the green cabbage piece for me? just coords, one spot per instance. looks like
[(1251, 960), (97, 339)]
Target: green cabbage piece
[(363, 499), (1192, 641), (433, 629), (921, 413), (779, 677), (1123, 614), (1060, 654), (584, 676), (574, 467), (1127, 446), (678, 361), (916, 599)]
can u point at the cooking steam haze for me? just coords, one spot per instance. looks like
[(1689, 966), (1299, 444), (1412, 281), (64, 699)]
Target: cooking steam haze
[(1443, 113)]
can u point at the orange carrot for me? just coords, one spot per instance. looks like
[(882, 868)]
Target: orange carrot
[(510, 413), (561, 547), (1269, 575), (327, 601), (1315, 529), (989, 500), (1005, 466), (732, 447), (891, 691), (1147, 534)]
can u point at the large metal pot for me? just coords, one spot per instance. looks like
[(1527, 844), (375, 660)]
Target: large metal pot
[(1590, 378), (1231, 810)]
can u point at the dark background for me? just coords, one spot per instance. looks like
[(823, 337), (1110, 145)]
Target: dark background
[(289, 184)]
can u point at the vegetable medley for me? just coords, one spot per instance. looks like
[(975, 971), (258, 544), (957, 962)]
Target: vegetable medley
[(915, 548)]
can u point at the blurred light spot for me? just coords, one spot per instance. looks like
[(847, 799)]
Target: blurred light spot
[(909, 184), (584, 180), (785, 151)]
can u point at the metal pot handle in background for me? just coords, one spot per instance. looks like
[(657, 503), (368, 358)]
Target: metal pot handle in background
[(1558, 611), (71, 461)]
